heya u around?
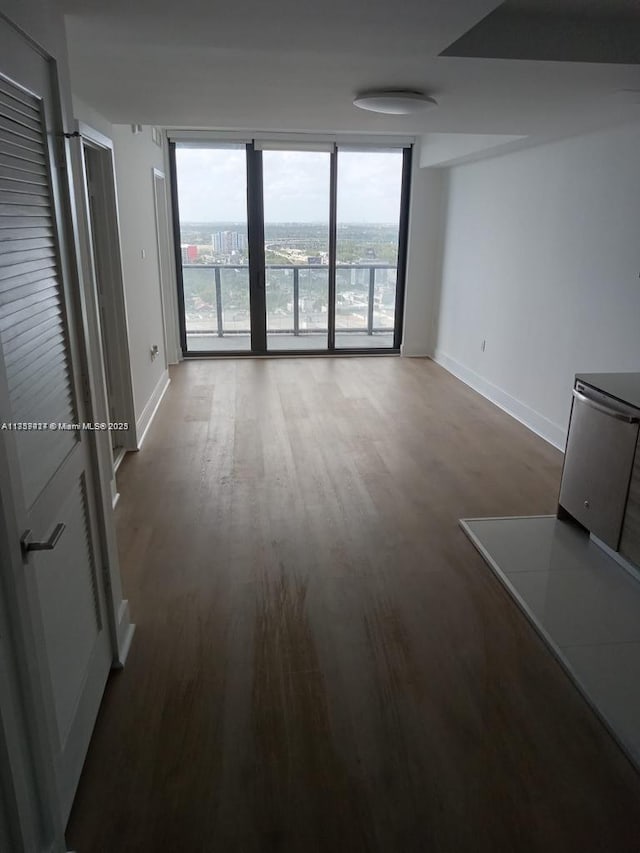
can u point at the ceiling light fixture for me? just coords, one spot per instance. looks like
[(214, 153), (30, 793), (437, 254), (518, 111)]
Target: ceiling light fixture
[(397, 102)]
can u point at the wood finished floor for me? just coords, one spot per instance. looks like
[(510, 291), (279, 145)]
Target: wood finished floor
[(322, 660)]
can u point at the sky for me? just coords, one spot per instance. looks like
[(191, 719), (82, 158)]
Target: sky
[(212, 185)]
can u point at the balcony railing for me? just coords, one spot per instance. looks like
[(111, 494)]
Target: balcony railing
[(217, 326)]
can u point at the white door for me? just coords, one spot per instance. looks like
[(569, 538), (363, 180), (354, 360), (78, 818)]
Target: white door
[(51, 484)]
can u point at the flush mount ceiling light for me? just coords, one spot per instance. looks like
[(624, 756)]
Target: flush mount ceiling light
[(396, 102)]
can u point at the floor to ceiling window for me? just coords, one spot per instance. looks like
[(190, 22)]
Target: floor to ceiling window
[(213, 244), (290, 247), (296, 248), (367, 240)]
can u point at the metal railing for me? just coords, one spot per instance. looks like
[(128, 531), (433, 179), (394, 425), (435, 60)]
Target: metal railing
[(220, 331)]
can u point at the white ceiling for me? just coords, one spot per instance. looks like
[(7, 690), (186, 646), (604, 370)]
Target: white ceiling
[(295, 65)]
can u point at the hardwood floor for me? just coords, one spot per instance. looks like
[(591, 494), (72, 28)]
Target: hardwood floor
[(322, 660)]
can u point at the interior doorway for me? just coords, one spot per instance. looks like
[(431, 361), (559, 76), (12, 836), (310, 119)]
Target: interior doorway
[(106, 272)]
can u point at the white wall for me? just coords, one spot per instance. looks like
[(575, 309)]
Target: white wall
[(424, 259), (43, 23), (87, 114), (136, 155), (541, 259)]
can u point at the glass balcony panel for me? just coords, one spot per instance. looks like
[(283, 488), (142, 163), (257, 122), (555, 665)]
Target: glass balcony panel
[(216, 312), (352, 293), (279, 291), (199, 300), (384, 305), (313, 289), (236, 312)]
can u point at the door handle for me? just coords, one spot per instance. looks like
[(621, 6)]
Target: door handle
[(48, 545), (606, 410)]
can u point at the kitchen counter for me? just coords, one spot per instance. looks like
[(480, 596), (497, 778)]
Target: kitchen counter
[(623, 386)]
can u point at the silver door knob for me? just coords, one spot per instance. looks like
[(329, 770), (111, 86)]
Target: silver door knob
[(49, 544), (586, 504)]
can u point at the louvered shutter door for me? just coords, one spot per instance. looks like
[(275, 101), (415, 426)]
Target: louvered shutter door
[(32, 326)]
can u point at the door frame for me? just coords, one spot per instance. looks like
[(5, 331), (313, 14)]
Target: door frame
[(29, 810), (92, 367), (403, 245), (105, 225), (257, 269), (167, 291), (255, 226)]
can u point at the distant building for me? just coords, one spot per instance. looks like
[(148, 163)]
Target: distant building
[(189, 253), (314, 261), (227, 242)]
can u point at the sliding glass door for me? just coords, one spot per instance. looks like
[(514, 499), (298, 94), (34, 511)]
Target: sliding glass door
[(290, 248), (296, 248), (211, 199), (367, 242)]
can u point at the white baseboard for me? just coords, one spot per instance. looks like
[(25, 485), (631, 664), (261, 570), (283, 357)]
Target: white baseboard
[(148, 413), (533, 420), (114, 491), (126, 630), (117, 459)]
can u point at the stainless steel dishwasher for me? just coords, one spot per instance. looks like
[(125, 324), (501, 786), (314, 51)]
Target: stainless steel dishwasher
[(601, 445)]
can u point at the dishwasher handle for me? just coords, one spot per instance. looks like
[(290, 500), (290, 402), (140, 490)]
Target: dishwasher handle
[(606, 410)]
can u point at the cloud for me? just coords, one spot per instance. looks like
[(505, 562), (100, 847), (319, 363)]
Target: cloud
[(212, 185)]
